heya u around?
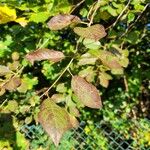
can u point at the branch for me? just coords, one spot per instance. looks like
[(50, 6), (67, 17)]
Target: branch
[(92, 17), (77, 5), (119, 15), (131, 25), (66, 68)]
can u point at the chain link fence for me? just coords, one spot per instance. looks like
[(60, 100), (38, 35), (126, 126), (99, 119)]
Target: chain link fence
[(92, 136)]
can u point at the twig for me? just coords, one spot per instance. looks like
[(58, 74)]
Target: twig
[(77, 5), (96, 8), (119, 15), (70, 72), (131, 25), (57, 78), (125, 83), (44, 43), (66, 68), (15, 74), (90, 11), (3, 103)]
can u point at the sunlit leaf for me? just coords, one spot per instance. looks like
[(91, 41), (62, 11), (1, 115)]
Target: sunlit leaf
[(104, 79), (22, 21), (91, 44), (45, 54), (57, 98), (74, 122), (39, 17), (86, 92), (61, 21), (55, 120), (88, 73), (4, 70), (117, 71), (12, 105), (74, 111), (95, 32), (109, 60), (12, 84), (2, 91), (7, 15), (87, 58)]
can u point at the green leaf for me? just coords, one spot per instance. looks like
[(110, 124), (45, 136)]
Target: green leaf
[(87, 59), (104, 79), (112, 11), (91, 44), (27, 83), (57, 98), (86, 92), (131, 17), (88, 73), (133, 37), (12, 106), (39, 17), (95, 32), (55, 120), (117, 71), (61, 88), (124, 62)]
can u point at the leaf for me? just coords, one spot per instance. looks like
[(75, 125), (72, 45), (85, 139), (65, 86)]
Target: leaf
[(74, 111), (45, 54), (117, 71), (7, 15), (104, 79), (4, 70), (55, 120), (109, 60), (74, 121), (12, 84), (87, 59), (112, 11), (61, 21), (91, 44), (86, 92), (22, 21), (88, 73), (39, 17), (57, 98), (12, 105), (131, 17), (95, 32)]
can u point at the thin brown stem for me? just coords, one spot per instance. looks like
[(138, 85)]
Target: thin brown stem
[(62, 73), (76, 6), (125, 83), (111, 26), (94, 13), (132, 25)]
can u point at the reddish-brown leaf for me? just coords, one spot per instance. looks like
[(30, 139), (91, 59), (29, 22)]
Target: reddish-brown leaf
[(55, 120), (109, 60), (86, 92), (45, 54), (95, 32), (12, 84), (4, 70), (61, 21)]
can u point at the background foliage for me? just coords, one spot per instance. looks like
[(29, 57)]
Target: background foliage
[(124, 92)]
